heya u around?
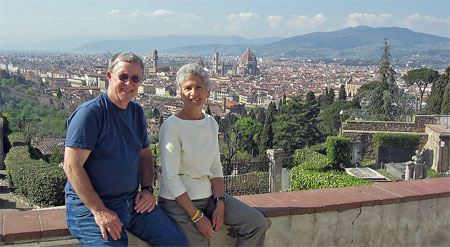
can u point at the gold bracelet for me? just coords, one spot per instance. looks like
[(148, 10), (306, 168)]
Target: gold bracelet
[(199, 218), (197, 213)]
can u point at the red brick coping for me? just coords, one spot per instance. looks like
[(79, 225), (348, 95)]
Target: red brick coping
[(48, 223)]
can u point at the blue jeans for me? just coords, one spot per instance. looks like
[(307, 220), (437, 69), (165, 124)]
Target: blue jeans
[(154, 227)]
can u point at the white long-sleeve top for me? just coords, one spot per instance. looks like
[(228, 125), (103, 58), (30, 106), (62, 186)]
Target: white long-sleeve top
[(190, 157)]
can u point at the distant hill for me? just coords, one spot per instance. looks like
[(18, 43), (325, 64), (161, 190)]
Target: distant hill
[(354, 43), (169, 42)]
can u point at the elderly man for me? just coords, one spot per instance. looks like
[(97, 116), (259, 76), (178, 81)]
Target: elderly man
[(107, 158)]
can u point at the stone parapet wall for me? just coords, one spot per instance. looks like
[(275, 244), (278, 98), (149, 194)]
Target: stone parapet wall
[(407, 213), (417, 125), (382, 126)]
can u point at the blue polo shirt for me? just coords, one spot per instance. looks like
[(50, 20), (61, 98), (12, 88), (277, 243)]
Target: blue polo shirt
[(115, 136)]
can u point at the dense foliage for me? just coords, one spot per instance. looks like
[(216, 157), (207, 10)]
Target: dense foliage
[(30, 110), (304, 179), (338, 151), (296, 125), (318, 166), (421, 78), (387, 139), (41, 182)]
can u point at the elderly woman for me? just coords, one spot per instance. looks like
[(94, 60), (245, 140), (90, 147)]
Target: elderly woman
[(192, 188)]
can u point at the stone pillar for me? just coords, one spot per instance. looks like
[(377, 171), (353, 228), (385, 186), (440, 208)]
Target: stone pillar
[(409, 171), (276, 161), (2, 166)]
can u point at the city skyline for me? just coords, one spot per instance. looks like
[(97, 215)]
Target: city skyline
[(28, 23)]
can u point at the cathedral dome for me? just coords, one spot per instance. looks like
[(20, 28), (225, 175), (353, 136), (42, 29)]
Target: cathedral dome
[(247, 58)]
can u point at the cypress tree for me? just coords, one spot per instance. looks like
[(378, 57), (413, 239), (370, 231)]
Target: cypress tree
[(342, 94), (437, 94), (383, 100), (445, 106), (310, 96)]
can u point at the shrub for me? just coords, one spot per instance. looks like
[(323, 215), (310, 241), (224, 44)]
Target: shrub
[(309, 158), (387, 139), (320, 148), (41, 182), (17, 139), (321, 163), (302, 179), (338, 151)]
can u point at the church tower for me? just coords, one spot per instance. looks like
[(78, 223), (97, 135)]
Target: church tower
[(215, 63), (155, 59)]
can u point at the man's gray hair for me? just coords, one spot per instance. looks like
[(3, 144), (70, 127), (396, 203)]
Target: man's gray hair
[(125, 57), (192, 69)]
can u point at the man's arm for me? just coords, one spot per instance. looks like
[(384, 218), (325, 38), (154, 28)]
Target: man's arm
[(146, 167), (144, 200), (107, 220)]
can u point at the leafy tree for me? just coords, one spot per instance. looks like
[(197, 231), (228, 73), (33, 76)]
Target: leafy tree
[(4, 74), (266, 136), (6, 131), (156, 112), (59, 93), (445, 106), (327, 97), (331, 95), (295, 126), (342, 94), (310, 96), (248, 129), (331, 119), (227, 122), (56, 157), (421, 78), (437, 94)]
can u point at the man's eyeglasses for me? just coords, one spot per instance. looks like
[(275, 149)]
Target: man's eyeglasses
[(125, 77)]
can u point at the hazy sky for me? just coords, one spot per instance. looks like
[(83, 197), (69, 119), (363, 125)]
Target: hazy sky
[(22, 20)]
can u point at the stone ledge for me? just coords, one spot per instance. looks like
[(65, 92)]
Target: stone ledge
[(37, 225)]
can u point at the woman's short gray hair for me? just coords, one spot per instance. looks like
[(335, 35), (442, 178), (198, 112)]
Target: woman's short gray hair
[(192, 69), (125, 57)]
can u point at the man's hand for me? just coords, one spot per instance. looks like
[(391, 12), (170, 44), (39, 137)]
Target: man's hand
[(218, 216), (204, 227), (108, 221), (144, 202)]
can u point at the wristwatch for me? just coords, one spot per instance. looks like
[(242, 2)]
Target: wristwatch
[(221, 198), (149, 188)]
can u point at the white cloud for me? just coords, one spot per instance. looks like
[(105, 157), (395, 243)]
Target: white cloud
[(113, 12), (241, 18), (162, 13), (241, 21), (138, 13), (274, 20), (426, 24), (357, 19), (305, 22)]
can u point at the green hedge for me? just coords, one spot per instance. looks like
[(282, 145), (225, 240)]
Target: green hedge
[(338, 151), (309, 159), (42, 183), (17, 139), (387, 139), (302, 179)]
